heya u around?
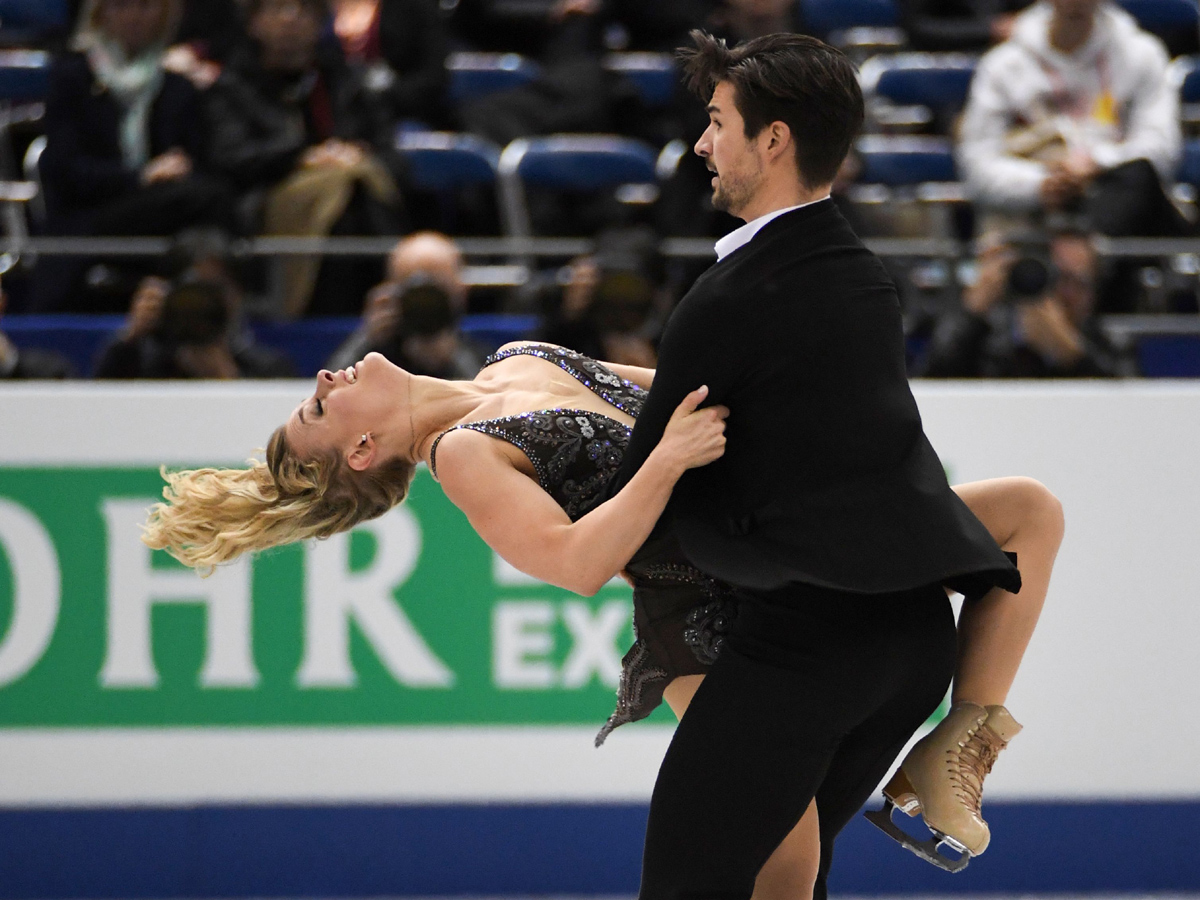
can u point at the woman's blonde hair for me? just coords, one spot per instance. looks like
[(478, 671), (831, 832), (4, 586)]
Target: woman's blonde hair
[(212, 516)]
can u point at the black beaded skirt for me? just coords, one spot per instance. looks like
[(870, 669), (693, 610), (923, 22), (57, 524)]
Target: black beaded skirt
[(681, 618)]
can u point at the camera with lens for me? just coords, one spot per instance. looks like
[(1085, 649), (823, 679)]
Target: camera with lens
[(194, 313), (425, 307), (1032, 272)]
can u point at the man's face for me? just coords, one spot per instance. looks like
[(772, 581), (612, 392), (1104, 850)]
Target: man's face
[(1075, 10), (737, 160), (288, 31), (1075, 285), (134, 24)]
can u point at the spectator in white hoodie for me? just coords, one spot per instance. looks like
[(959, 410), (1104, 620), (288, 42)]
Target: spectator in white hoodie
[(1074, 114)]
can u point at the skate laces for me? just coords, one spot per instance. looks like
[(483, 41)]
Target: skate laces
[(972, 764)]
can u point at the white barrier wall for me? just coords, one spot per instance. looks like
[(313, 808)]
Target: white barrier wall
[(517, 676)]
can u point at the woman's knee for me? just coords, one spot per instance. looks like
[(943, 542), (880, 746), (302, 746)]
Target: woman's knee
[(1040, 508)]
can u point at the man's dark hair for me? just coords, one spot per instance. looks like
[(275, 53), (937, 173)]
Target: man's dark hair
[(789, 78)]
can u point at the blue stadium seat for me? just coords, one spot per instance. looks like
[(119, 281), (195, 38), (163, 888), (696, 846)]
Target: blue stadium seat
[(24, 76), (491, 330), (474, 75), (30, 20), (569, 162), (1185, 72), (653, 74), (822, 17), (1169, 355), (1189, 166), (1163, 15), (940, 81), (79, 338), (443, 160), (898, 161)]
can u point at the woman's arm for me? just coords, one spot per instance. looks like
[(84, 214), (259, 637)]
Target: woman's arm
[(524, 524)]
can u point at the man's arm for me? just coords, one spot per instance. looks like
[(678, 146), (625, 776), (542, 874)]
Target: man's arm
[(701, 346)]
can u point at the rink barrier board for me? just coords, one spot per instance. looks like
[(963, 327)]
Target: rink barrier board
[(259, 775), (586, 849)]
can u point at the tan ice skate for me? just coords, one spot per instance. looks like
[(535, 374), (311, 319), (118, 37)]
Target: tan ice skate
[(942, 778)]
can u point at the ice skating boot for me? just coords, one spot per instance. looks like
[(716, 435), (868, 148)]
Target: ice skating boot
[(942, 778)]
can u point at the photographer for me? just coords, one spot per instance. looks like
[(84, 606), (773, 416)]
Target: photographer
[(1029, 314), (413, 317), (187, 331), (605, 305)]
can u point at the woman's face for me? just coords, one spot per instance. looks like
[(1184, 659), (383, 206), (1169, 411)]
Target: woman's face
[(288, 32), (134, 24), (347, 404)]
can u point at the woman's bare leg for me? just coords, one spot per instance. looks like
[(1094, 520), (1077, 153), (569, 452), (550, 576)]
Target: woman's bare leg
[(791, 871), (1023, 517), (993, 631)]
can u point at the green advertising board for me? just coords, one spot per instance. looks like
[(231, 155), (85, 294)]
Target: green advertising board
[(408, 620)]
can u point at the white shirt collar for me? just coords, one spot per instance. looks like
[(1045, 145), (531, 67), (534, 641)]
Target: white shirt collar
[(743, 235)]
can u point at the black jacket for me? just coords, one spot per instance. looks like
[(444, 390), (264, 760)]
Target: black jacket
[(260, 124), (828, 478), (82, 167)]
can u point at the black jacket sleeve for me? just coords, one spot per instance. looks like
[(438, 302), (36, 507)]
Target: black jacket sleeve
[(699, 347)]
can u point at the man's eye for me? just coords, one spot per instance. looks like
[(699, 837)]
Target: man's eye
[(320, 407)]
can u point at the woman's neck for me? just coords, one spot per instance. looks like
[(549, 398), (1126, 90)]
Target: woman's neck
[(434, 405)]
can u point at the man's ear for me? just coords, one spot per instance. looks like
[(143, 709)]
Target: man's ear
[(779, 139), (362, 456)]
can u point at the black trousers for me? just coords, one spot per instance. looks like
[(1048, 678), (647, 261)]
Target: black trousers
[(814, 696)]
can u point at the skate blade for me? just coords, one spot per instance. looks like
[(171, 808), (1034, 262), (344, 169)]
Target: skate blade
[(926, 849)]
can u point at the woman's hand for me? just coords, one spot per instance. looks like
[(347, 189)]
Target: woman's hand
[(694, 437)]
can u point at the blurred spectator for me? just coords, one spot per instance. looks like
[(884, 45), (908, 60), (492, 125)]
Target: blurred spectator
[(960, 25), (659, 26), (293, 126), (741, 20), (403, 45), (609, 300), (1029, 314), (16, 363), (572, 92), (125, 138), (189, 330), (1074, 113), (413, 318)]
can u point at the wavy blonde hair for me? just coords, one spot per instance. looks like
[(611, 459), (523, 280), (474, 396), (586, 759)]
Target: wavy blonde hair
[(212, 516)]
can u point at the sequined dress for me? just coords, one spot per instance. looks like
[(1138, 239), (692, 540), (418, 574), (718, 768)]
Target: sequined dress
[(680, 615)]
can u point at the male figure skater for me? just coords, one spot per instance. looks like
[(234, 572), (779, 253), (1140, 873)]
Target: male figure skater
[(830, 510)]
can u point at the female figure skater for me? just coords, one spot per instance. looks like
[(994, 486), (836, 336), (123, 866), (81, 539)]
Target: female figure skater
[(524, 450)]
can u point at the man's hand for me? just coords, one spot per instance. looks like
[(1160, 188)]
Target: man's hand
[(580, 291), (333, 154), (1048, 329), (991, 280), (1059, 187), (145, 309), (381, 320), (170, 166)]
